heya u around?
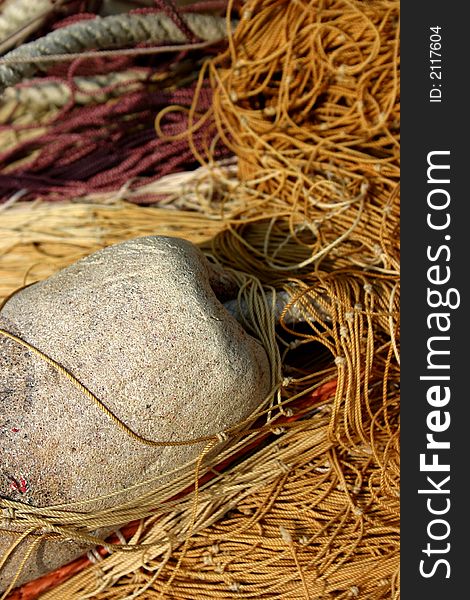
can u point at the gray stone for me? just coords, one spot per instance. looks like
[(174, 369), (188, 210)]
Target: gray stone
[(140, 326)]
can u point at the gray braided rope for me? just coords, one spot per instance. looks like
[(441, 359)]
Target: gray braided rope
[(105, 32)]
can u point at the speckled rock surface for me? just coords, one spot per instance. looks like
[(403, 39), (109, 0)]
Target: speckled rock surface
[(138, 324)]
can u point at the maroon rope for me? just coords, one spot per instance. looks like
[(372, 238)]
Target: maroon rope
[(100, 148), (168, 8)]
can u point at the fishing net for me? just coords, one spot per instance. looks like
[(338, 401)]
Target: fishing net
[(304, 503)]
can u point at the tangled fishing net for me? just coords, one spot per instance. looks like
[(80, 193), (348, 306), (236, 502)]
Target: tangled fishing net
[(305, 98)]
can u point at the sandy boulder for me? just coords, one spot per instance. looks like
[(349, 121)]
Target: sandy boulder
[(140, 326)]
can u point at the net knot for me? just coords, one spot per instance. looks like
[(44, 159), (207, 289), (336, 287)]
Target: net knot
[(283, 466), (364, 187), (8, 515), (295, 344), (357, 510), (285, 535), (354, 591)]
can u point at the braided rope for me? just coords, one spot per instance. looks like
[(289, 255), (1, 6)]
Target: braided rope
[(108, 32)]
